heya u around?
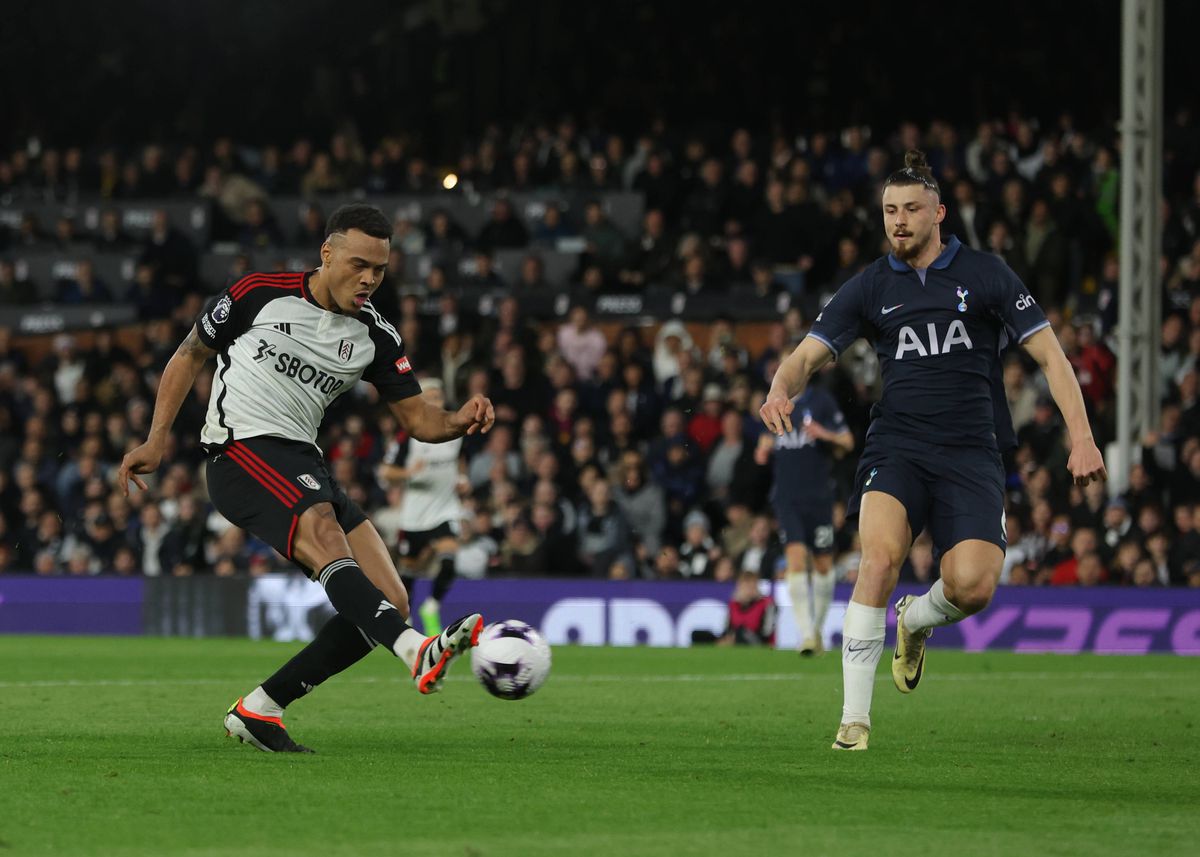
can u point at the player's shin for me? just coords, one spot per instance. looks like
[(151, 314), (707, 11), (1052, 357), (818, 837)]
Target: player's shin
[(797, 582), (822, 585), (338, 645), (862, 646), (356, 598), (932, 610)]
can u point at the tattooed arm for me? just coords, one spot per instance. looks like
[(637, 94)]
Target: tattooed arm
[(177, 380)]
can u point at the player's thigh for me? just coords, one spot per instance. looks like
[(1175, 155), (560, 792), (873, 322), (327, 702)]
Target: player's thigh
[(373, 558), (968, 527), (319, 538), (794, 534), (885, 535)]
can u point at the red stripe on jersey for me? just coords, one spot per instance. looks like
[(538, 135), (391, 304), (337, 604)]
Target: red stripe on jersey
[(247, 280), (247, 284), (285, 483), (236, 456)]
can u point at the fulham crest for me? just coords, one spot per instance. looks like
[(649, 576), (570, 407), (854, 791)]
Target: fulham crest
[(345, 349)]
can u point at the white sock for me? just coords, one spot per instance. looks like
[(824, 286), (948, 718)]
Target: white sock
[(797, 582), (862, 646), (407, 646), (822, 596), (257, 702), (932, 610)]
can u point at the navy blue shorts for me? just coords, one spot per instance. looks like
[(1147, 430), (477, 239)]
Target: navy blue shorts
[(957, 491), (808, 523)]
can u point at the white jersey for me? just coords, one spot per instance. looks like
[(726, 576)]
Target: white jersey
[(282, 359), (431, 494)]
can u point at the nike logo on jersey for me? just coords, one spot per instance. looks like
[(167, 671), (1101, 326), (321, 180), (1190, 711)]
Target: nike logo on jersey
[(885, 310)]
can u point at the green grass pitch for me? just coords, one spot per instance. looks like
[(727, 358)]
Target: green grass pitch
[(114, 747)]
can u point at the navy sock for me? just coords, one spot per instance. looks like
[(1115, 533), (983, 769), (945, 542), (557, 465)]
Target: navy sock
[(338, 645), (445, 578)]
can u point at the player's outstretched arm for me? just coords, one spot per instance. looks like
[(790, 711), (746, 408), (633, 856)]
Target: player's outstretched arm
[(177, 379), (1085, 463), (790, 380), (433, 425)]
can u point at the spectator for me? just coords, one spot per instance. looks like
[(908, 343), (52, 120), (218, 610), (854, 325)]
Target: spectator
[(751, 615), (581, 343), (698, 553), (503, 230), (763, 554), (604, 534), (641, 501)]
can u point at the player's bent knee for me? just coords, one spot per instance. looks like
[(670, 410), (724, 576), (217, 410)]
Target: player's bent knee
[(972, 597)]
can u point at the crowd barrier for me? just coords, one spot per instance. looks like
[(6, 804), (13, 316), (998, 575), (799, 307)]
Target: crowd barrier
[(288, 607)]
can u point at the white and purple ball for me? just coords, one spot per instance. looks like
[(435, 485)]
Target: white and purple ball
[(512, 659)]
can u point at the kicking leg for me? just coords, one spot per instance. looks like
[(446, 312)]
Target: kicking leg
[(886, 536), (339, 644), (321, 544)]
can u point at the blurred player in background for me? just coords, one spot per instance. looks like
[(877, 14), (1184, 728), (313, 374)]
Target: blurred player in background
[(434, 474), (803, 499), (287, 345), (939, 314)]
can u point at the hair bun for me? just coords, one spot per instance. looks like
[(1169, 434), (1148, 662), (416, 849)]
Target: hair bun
[(915, 159)]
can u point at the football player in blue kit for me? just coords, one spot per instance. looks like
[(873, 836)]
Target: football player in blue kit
[(803, 495), (938, 313)]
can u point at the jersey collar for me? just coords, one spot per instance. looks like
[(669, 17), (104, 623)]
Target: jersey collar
[(942, 261), (307, 292)]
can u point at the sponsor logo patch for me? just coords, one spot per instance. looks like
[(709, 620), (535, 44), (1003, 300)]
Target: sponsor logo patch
[(403, 366), (307, 481), (221, 310)]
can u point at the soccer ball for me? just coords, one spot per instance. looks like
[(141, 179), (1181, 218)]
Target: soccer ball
[(512, 659)]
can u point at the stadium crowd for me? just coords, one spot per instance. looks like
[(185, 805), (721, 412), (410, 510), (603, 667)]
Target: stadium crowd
[(620, 451)]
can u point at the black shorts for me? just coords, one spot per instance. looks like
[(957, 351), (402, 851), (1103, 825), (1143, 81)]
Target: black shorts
[(413, 542), (957, 491), (810, 524), (264, 485)]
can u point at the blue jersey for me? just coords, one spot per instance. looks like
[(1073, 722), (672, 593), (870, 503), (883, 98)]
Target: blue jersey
[(938, 341), (803, 466)]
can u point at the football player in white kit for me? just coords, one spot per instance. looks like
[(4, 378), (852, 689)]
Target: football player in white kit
[(287, 345), (430, 512)]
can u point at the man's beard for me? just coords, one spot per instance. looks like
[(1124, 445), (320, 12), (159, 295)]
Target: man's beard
[(911, 248)]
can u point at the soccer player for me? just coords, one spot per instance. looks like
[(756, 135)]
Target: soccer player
[(939, 313), (286, 346), (430, 512), (803, 499)]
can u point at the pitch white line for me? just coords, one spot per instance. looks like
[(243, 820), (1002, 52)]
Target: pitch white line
[(608, 678)]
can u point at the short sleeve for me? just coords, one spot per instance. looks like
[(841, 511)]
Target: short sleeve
[(391, 371), (1016, 306), (222, 320), (840, 322)]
